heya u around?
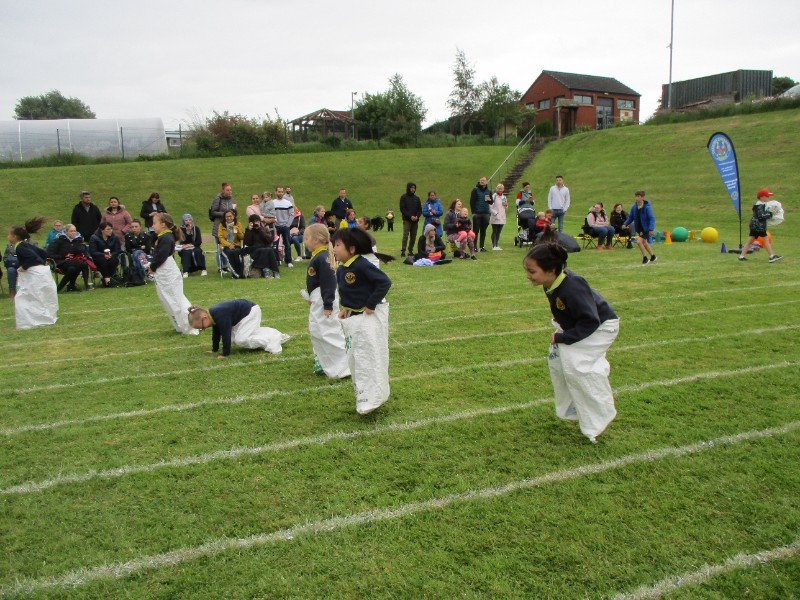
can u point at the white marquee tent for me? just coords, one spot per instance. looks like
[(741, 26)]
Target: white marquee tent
[(124, 138)]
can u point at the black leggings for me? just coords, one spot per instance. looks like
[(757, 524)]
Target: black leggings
[(480, 223)]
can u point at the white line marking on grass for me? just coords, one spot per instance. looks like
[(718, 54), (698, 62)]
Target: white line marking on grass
[(8, 431), (38, 486), (212, 548), (707, 572)]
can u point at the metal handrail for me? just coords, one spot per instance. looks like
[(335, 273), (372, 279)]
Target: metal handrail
[(523, 142)]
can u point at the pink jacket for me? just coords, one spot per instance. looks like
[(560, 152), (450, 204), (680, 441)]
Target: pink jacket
[(120, 221)]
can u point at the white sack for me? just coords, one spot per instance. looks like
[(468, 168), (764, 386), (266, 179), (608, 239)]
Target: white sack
[(368, 356), (248, 333), (36, 302), (776, 208), (579, 373), (169, 288), (327, 337)]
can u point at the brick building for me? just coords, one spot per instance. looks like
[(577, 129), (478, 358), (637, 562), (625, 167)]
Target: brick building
[(569, 100)]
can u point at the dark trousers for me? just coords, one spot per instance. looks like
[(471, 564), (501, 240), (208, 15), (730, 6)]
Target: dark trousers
[(480, 223), (389, 224), (287, 243), (496, 229), (235, 258), (70, 269), (193, 259), (409, 236), (263, 258), (106, 266)]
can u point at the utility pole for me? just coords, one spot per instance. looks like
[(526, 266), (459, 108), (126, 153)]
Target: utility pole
[(671, 38), (353, 111)]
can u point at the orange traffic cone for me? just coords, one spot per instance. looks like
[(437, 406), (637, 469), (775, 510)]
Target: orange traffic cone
[(669, 237)]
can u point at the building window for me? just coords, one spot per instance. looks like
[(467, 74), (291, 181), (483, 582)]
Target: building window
[(544, 104), (625, 104), (583, 99)]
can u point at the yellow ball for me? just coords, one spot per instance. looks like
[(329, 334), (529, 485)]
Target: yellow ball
[(709, 235)]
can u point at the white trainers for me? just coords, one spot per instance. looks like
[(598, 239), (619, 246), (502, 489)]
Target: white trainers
[(203, 273), (290, 265), (185, 275)]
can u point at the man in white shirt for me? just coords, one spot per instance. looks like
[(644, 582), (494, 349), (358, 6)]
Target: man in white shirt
[(558, 201)]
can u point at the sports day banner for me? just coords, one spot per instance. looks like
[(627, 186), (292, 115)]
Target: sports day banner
[(720, 147)]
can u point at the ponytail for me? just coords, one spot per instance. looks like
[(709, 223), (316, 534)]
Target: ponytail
[(550, 256), (32, 225)]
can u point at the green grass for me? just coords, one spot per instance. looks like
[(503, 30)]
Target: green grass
[(120, 425)]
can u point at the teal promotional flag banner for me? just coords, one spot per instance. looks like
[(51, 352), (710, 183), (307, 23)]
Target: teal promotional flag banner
[(720, 147)]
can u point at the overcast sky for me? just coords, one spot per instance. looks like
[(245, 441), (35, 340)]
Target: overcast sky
[(181, 59)]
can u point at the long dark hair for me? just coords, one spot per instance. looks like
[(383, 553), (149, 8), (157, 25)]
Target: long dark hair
[(23, 232), (353, 237), (549, 256)]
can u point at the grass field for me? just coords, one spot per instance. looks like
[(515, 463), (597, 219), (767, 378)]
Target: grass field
[(135, 465)]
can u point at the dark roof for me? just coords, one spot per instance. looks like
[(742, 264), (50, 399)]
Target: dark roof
[(324, 114), (591, 83)]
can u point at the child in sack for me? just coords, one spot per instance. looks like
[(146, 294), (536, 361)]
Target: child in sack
[(327, 338), (364, 316), (586, 325)]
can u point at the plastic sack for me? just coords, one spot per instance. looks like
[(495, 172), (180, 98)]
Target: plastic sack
[(36, 302), (367, 338), (579, 373), (776, 208), (169, 289), (327, 337), (248, 333)]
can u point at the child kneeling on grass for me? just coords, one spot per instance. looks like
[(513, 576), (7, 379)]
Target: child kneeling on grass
[(586, 325), (364, 316), (237, 322)]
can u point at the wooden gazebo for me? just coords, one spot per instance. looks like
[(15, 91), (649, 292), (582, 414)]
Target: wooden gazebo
[(325, 123)]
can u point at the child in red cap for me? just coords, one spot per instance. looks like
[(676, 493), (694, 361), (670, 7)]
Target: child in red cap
[(758, 227)]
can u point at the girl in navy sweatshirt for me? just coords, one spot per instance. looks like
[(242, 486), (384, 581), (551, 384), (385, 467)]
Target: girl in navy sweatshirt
[(36, 302), (586, 325), (169, 281), (236, 322), (327, 338), (364, 315)]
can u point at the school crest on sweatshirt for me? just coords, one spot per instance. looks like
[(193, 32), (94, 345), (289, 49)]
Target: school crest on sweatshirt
[(350, 278), (311, 271), (560, 304)]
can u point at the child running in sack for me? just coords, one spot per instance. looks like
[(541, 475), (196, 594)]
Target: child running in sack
[(237, 322), (364, 316), (36, 301), (327, 338), (586, 325), (169, 281)]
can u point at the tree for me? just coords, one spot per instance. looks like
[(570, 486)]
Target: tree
[(499, 105), (781, 84), (396, 113), (52, 105), (464, 100)]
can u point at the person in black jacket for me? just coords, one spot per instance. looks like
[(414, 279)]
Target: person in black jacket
[(480, 200), (71, 258), (411, 210), (150, 208), (429, 244), (86, 216), (259, 240), (191, 252), (340, 205), (105, 249)]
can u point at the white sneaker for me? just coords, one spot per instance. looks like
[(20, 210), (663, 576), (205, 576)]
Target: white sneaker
[(497, 248), (185, 275), (290, 265), (298, 259), (203, 273)]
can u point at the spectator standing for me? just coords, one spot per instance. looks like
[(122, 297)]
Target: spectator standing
[(150, 208), (119, 218), (433, 211), (479, 202), (497, 214), (284, 214), (525, 197), (558, 201), (411, 210), (86, 216), (222, 203), (389, 219), (340, 205), (644, 222)]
